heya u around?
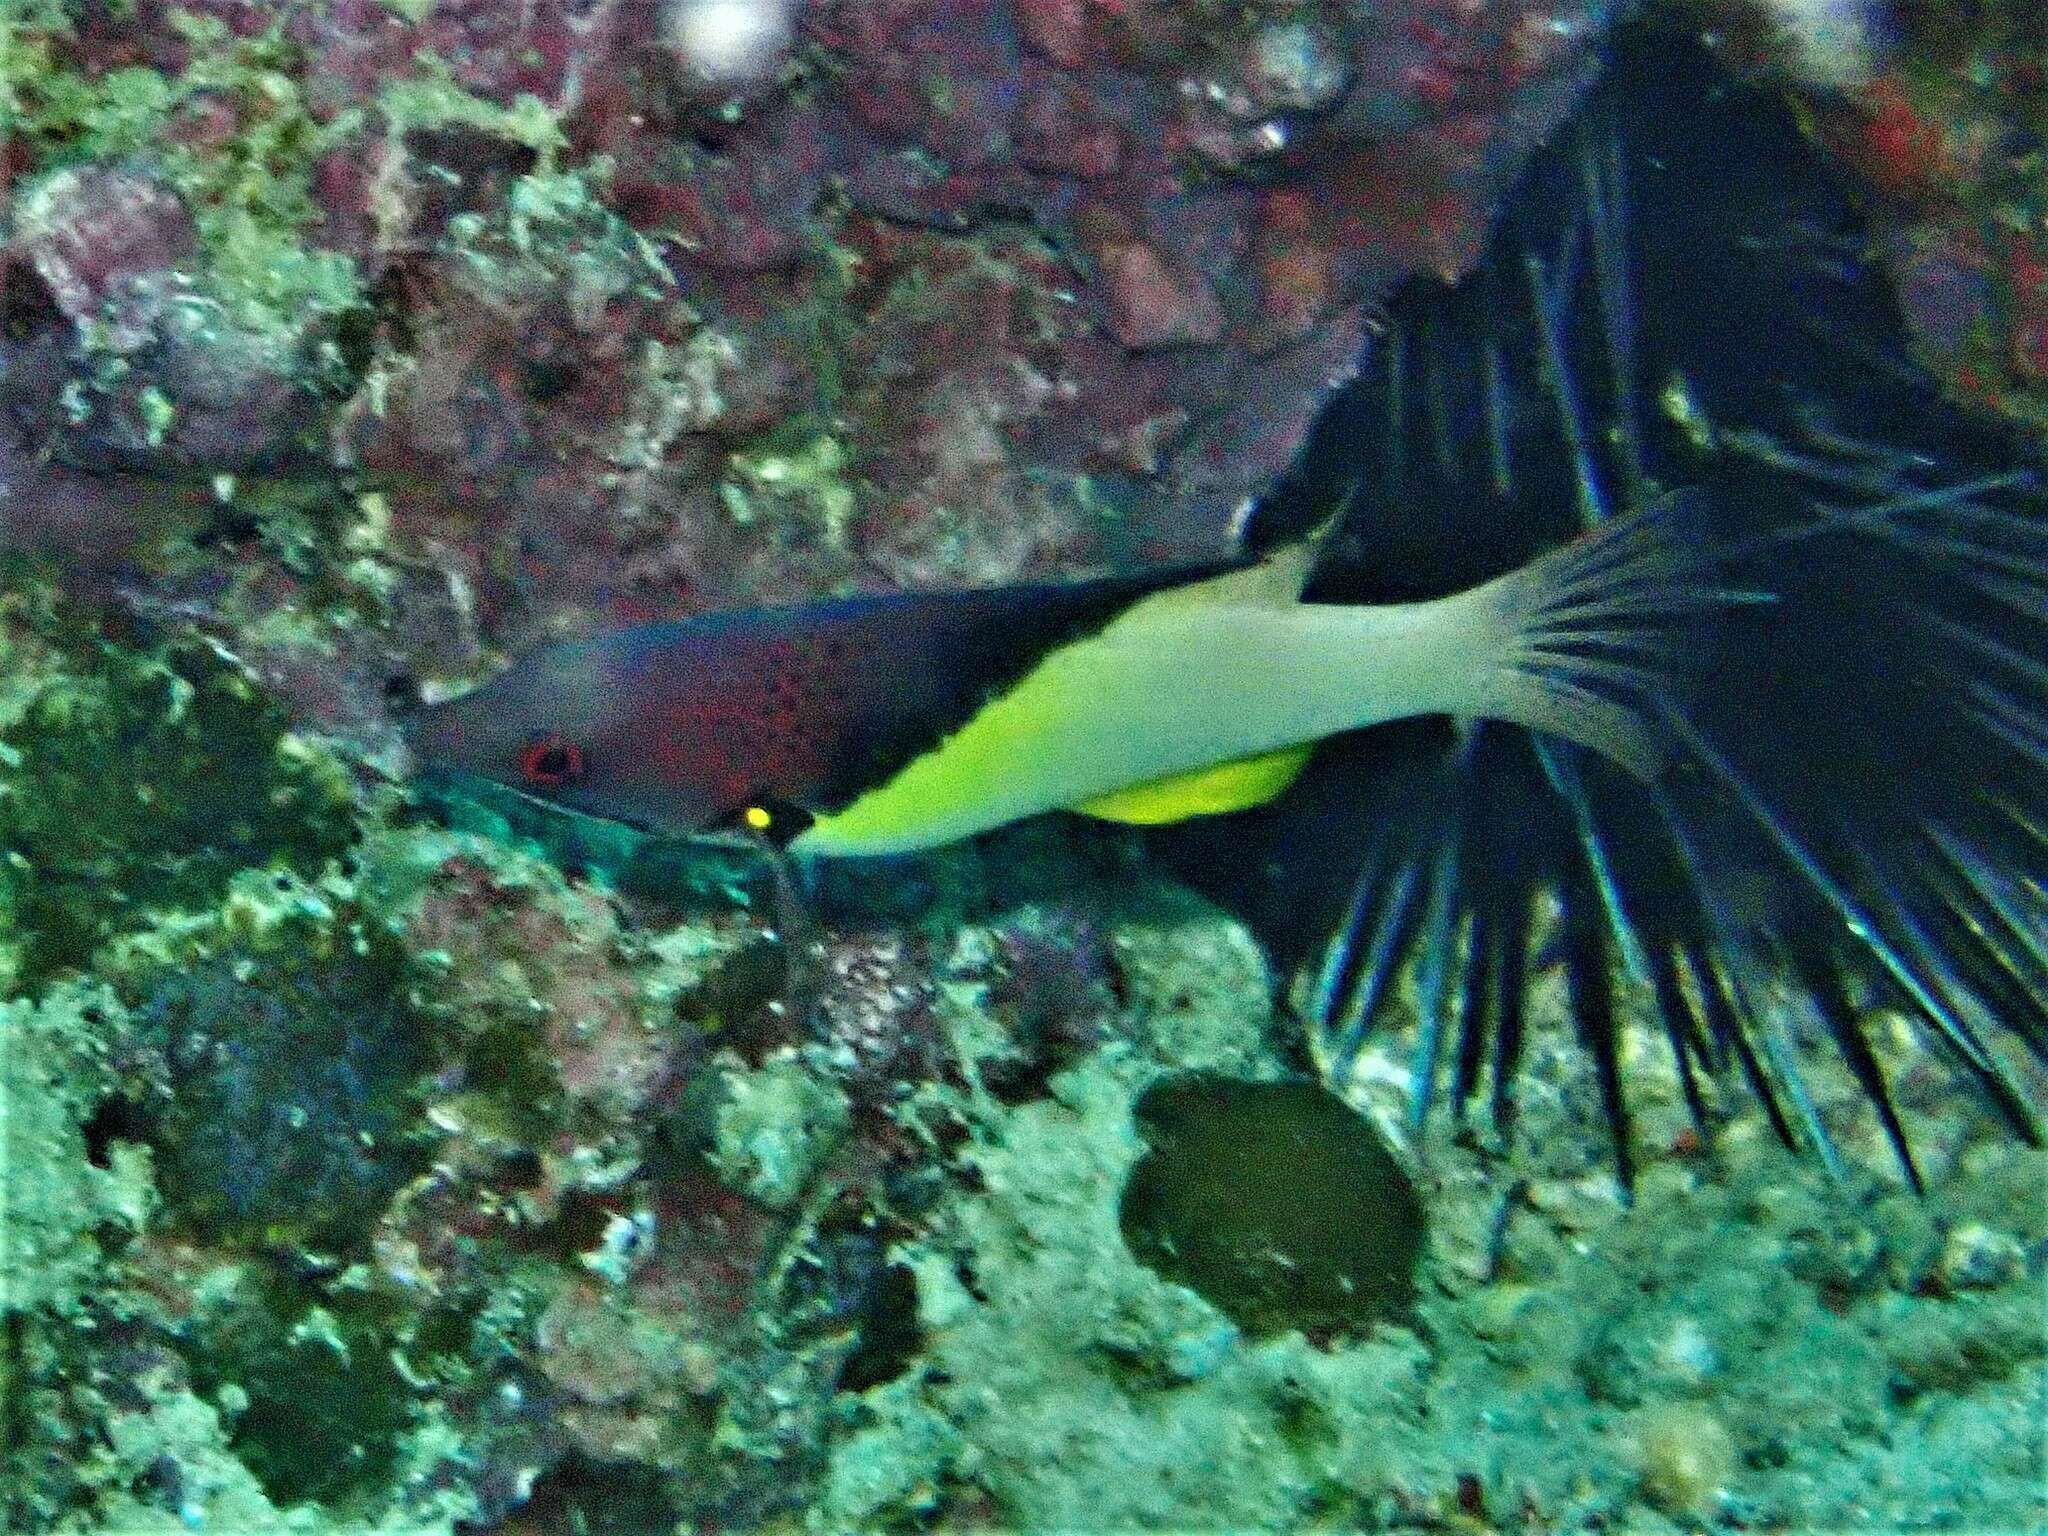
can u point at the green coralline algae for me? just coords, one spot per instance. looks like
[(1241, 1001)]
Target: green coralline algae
[(775, 1126), (1750, 1344), (135, 782), (53, 1072), (68, 1215), (1063, 1382)]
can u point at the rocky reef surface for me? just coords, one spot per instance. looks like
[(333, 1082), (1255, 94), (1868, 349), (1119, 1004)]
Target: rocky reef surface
[(364, 1173), (380, 339), (595, 320), (365, 1169)]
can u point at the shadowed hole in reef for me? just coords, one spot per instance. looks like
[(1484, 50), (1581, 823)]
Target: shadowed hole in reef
[(27, 306), (291, 1117), (116, 1119), (599, 1498), (889, 1335), (319, 1407), (1275, 1202)]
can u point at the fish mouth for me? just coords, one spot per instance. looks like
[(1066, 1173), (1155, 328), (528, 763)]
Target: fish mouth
[(719, 838), (439, 776)]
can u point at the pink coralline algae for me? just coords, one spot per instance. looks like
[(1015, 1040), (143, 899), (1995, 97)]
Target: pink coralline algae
[(100, 233), (545, 50), (916, 293), (1217, 196), (1955, 172), (115, 350)]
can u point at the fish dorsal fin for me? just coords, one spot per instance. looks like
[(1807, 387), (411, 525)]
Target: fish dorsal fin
[(1232, 786), (1276, 580)]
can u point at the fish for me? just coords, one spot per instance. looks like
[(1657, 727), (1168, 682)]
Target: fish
[(895, 723)]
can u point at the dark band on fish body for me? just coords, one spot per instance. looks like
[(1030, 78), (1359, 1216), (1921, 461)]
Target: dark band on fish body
[(908, 670)]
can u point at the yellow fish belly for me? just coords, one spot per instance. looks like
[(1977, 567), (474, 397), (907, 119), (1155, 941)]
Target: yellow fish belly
[(1232, 786)]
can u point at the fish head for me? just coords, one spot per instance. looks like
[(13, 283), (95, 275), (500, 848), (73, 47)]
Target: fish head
[(565, 724)]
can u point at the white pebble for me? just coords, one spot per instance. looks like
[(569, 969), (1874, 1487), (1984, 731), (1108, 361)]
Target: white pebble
[(729, 42)]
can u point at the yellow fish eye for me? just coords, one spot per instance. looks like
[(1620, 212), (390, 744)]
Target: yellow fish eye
[(758, 817)]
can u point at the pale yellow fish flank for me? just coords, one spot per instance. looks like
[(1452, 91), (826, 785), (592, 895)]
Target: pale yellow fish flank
[(1204, 698), (1171, 687)]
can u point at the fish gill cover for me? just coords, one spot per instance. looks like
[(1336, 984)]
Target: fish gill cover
[(479, 1170)]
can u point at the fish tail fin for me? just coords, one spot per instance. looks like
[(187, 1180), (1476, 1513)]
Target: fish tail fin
[(1589, 638)]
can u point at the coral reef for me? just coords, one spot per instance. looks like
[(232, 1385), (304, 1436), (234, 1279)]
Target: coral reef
[(1938, 110), (369, 1169), (415, 1185), (1745, 1347), (597, 320)]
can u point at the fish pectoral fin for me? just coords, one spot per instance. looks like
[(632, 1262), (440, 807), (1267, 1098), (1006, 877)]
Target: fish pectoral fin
[(1233, 786)]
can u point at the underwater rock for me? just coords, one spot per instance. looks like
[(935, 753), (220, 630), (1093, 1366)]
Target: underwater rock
[(1587, 1361), (130, 364), (490, 253), (181, 319), (1053, 994), (573, 1299), (370, 1176), (538, 978), (1687, 1459), (83, 526), (289, 1114), (93, 236), (1152, 306), (210, 783), (776, 1125), (871, 1018), (1275, 1202), (313, 1404), (63, 1194), (550, 52), (1976, 1257), (1039, 1327), (1196, 209), (1935, 111)]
